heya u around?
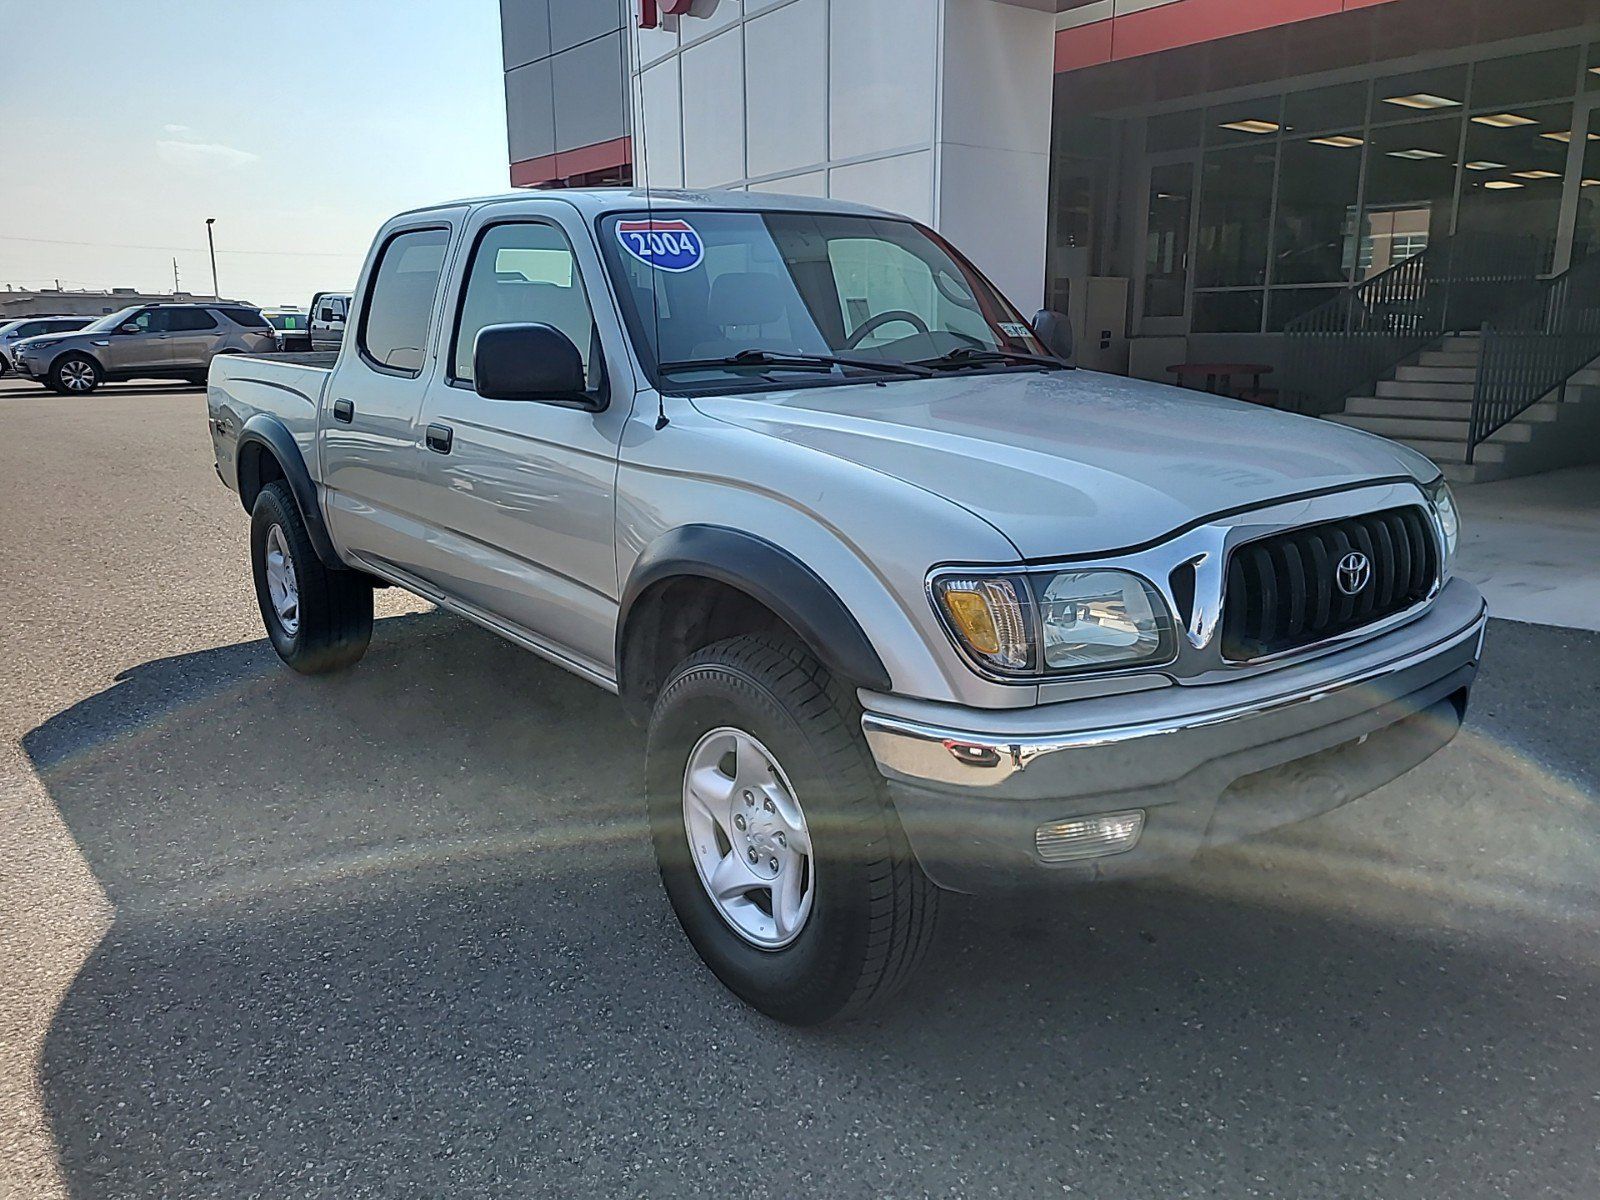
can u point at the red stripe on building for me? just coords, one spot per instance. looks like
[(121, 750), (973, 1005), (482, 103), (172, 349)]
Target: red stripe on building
[(1185, 23), (602, 156)]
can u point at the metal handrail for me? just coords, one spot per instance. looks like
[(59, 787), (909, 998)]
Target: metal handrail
[(1345, 346), (1533, 347)]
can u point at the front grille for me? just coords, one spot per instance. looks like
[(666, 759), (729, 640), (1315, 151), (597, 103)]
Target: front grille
[(1283, 591)]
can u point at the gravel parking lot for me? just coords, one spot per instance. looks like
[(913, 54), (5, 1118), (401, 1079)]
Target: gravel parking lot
[(398, 932)]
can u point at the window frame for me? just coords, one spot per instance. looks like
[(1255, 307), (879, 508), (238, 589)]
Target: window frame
[(602, 388), (372, 282), (205, 312)]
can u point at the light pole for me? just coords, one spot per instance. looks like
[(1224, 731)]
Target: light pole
[(211, 241)]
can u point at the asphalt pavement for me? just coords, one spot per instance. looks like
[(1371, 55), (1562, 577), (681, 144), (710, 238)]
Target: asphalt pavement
[(398, 932)]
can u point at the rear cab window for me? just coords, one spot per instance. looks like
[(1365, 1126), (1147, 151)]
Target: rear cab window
[(398, 313)]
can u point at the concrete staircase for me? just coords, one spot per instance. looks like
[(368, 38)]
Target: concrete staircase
[(1428, 406)]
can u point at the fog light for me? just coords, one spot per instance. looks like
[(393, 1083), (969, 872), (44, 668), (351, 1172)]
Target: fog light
[(1089, 837)]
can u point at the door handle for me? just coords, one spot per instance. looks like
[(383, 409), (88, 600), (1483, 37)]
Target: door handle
[(440, 438), (344, 410)]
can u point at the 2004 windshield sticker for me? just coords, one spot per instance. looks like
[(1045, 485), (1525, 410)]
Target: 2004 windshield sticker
[(663, 243)]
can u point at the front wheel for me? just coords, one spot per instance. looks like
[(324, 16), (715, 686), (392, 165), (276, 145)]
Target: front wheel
[(779, 851), (76, 375), (318, 620)]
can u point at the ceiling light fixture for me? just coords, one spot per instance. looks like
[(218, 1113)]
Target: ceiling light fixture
[(1415, 154), (1342, 141), (1501, 185), (1422, 100), (1565, 135), (1504, 120), (1537, 174), (1253, 126), (1485, 165)]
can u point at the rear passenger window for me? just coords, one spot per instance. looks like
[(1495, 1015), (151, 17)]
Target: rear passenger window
[(248, 317), (394, 331), (187, 320), (525, 273)]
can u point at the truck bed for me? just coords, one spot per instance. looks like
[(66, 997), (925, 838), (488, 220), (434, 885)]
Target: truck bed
[(287, 387)]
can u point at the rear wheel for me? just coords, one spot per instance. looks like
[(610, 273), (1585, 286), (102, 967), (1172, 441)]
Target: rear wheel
[(779, 850), (318, 620), (75, 375)]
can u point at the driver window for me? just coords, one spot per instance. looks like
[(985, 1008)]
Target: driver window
[(525, 273)]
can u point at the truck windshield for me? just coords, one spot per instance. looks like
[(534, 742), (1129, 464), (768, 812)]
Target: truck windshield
[(714, 298)]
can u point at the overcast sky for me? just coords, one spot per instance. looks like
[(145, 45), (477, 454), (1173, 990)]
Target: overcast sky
[(300, 125)]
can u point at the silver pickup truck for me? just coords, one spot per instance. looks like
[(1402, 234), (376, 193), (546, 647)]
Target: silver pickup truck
[(906, 602)]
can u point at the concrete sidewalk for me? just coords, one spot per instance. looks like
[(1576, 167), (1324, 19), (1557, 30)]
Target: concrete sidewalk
[(1533, 545)]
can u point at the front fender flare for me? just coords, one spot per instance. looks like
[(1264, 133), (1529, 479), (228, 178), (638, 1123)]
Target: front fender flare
[(273, 437), (770, 575)]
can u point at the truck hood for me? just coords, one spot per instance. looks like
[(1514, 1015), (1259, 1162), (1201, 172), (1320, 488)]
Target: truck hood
[(1073, 462)]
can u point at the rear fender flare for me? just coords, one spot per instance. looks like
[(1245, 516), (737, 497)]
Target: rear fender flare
[(271, 436)]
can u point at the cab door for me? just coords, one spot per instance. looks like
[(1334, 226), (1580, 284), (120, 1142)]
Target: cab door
[(148, 349), (521, 494), (367, 430), (192, 337)]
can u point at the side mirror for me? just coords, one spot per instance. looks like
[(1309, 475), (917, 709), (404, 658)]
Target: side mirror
[(130, 327), (1055, 331), (528, 362)]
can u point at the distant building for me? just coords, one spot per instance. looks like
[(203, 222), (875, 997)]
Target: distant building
[(22, 302)]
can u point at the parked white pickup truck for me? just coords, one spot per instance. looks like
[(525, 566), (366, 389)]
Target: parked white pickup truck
[(907, 602)]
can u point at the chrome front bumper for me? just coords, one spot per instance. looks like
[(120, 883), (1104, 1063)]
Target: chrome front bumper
[(1204, 763)]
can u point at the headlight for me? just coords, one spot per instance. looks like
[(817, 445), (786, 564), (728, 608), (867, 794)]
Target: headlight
[(1446, 513), (1055, 623), (31, 347)]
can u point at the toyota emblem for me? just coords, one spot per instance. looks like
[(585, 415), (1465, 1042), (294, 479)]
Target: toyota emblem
[(1355, 570)]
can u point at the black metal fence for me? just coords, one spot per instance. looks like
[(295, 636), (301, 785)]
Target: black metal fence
[(1344, 347), (1532, 347)]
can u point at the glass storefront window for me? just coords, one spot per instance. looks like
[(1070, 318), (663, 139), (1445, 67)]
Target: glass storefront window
[(1313, 241), (1235, 200), (1516, 164), (1166, 268), (1405, 97), (1288, 303), (1172, 131), (1319, 109), (1524, 78), (1586, 232), (1227, 312), (1244, 121), (1411, 182)]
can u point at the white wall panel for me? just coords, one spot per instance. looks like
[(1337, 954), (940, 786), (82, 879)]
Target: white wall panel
[(994, 205), (662, 149), (899, 184), (812, 183), (713, 111), (786, 74), (883, 68)]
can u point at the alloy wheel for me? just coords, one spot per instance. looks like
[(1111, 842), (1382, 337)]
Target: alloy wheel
[(282, 586), (748, 838)]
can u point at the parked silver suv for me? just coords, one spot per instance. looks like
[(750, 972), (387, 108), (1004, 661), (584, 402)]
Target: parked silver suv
[(12, 332), (150, 341)]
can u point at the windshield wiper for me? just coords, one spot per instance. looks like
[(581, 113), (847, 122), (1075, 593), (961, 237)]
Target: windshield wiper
[(797, 362), (974, 356)]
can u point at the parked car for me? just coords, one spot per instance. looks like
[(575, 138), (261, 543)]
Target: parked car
[(12, 332), (293, 327), (328, 313), (905, 602), (147, 341)]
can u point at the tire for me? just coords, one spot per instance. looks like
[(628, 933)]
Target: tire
[(329, 623), (76, 375), (869, 911)]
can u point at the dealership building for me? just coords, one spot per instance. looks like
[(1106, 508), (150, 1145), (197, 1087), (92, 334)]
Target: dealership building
[(1334, 205)]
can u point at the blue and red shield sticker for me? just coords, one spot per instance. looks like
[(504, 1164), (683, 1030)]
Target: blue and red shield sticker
[(667, 244)]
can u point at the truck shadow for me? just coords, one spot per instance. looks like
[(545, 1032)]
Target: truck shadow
[(399, 932)]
